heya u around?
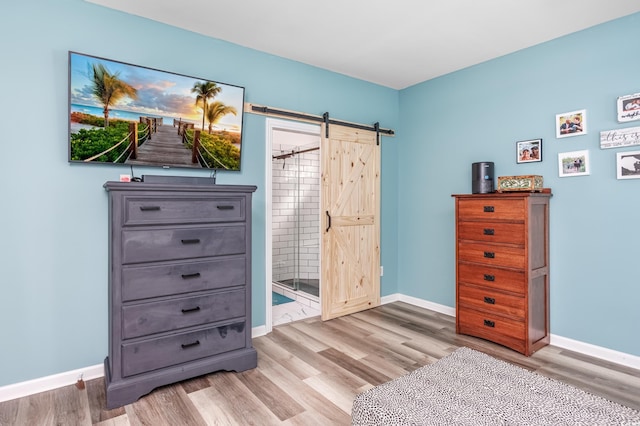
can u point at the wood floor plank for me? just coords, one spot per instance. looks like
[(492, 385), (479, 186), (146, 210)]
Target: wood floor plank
[(168, 405), (213, 407), (9, 411), (354, 366), (280, 354), (334, 339), (247, 409), (36, 409), (277, 400), (309, 398), (96, 396), (309, 372)]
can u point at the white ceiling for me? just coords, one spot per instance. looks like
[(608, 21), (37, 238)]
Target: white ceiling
[(392, 43)]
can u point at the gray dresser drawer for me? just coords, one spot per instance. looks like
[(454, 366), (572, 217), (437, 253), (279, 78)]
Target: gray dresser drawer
[(148, 245), (148, 355), (167, 315), (142, 282), (165, 210)]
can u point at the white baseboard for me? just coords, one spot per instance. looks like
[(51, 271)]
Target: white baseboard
[(43, 384), (596, 351), (258, 331), (55, 381)]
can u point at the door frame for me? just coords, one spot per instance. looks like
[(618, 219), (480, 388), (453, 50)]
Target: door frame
[(271, 125)]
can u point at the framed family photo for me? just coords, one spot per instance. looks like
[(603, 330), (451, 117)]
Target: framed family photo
[(628, 165), (529, 151), (574, 163), (629, 108), (572, 123)]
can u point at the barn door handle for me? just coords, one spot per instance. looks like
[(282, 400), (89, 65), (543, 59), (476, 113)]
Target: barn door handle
[(328, 221)]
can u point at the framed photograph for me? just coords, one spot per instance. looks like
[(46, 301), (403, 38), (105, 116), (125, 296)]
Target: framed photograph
[(574, 163), (529, 151), (629, 108), (572, 123), (628, 165)]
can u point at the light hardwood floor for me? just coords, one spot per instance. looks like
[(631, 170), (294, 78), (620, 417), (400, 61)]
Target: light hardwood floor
[(309, 372)]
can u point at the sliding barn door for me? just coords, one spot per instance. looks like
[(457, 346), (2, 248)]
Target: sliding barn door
[(350, 258)]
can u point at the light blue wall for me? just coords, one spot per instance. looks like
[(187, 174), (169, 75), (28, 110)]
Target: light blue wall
[(478, 114), (53, 251)]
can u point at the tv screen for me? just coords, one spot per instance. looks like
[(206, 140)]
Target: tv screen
[(132, 115)]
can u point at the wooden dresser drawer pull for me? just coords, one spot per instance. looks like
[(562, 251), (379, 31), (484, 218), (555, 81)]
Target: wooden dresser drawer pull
[(225, 207), (489, 254), (191, 310), (489, 209), (194, 275), (489, 323), (190, 345), (489, 300), (488, 231), (149, 208), (191, 241), (488, 277)]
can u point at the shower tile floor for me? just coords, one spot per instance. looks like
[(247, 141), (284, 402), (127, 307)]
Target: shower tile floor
[(301, 308)]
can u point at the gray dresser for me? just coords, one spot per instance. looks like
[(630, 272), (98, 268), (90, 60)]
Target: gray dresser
[(179, 284)]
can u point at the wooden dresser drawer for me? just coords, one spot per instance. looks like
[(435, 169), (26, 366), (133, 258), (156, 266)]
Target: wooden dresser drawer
[(148, 245), (491, 325), (497, 232), (173, 209), (142, 282), (167, 315), (491, 301), (487, 276), (495, 255), (491, 209), (147, 355)]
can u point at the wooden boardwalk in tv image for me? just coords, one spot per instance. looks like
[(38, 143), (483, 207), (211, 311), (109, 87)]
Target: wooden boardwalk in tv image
[(165, 146)]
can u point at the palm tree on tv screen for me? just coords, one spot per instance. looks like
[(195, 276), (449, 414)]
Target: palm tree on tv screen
[(204, 92), (109, 89), (216, 111)]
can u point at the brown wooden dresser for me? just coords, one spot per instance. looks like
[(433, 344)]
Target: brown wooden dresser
[(502, 268)]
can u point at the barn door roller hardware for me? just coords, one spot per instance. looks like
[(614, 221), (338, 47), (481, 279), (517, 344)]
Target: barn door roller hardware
[(321, 119)]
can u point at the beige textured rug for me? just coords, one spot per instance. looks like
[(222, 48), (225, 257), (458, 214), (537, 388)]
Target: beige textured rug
[(469, 387)]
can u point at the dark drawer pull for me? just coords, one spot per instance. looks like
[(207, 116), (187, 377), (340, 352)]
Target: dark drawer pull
[(489, 254), (489, 300), (489, 209), (149, 208), (488, 231), (191, 241), (190, 345), (225, 207), (190, 310), (194, 275), (488, 277), (489, 323)]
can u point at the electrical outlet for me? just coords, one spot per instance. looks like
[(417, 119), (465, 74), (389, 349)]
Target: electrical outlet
[(381, 270)]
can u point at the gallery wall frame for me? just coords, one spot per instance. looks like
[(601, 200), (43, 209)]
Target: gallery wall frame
[(574, 163), (572, 123), (529, 151), (628, 108), (620, 138), (628, 165)]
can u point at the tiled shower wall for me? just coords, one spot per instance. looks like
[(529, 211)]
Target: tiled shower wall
[(296, 209)]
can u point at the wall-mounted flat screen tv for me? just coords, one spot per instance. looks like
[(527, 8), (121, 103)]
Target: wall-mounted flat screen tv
[(132, 115)]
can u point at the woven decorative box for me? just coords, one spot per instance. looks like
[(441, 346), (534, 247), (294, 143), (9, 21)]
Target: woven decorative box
[(531, 183)]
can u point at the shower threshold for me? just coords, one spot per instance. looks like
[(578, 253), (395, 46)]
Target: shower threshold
[(309, 286)]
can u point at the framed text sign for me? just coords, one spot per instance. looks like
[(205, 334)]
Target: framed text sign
[(620, 137)]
